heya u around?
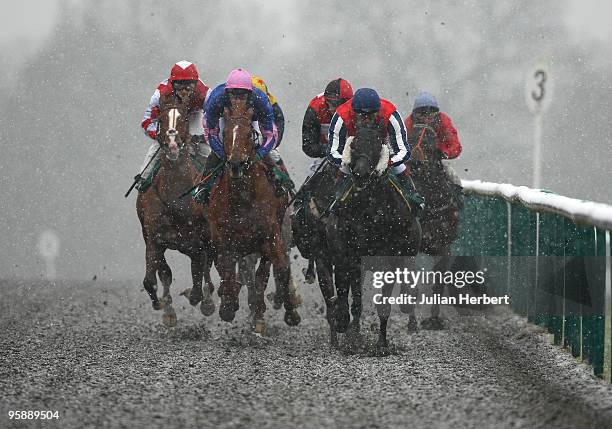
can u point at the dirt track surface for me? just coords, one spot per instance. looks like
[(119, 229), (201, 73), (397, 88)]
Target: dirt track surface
[(97, 353)]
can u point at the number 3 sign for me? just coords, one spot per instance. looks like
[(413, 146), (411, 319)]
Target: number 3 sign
[(538, 88)]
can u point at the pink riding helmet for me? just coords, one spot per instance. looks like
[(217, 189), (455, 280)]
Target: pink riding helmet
[(239, 79)]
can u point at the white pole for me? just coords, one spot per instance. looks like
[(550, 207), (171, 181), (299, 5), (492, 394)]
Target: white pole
[(50, 265), (607, 367), (537, 151)]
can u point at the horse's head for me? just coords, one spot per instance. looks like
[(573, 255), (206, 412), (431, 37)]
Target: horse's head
[(423, 143), (173, 128), (238, 138), (366, 155)]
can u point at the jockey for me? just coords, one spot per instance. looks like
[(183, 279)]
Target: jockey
[(315, 127), (365, 108), (183, 82), (427, 112), (239, 86), (279, 121), (279, 117)]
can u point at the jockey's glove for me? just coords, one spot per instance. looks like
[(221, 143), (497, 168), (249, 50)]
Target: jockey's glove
[(198, 138)]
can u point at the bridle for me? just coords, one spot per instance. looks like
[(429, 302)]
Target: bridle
[(174, 116)]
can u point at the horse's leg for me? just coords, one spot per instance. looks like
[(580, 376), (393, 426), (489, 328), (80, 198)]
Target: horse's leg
[(326, 284), (210, 256), (198, 263), (282, 275), (410, 290), (309, 273), (259, 303), (150, 279), (229, 288), (246, 277), (341, 307), (442, 263), (384, 310), (356, 304), (165, 276)]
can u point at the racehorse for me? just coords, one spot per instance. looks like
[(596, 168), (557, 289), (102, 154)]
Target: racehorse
[(243, 213), (374, 219), (171, 222), (309, 234), (440, 218)]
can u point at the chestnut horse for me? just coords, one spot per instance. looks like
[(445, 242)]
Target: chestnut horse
[(243, 214), (171, 222)]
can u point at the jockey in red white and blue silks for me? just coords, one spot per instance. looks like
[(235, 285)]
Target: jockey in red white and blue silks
[(367, 102), (239, 81)]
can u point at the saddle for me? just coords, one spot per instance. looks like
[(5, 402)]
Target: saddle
[(146, 182), (276, 174), (413, 200)]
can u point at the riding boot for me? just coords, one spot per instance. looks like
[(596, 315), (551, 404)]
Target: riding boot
[(149, 168), (416, 201), (275, 178), (343, 185)]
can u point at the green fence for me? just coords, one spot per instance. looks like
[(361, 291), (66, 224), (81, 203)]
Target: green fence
[(555, 253)]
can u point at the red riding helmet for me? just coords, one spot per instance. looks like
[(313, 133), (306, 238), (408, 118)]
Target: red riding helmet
[(183, 70), (338, 90)]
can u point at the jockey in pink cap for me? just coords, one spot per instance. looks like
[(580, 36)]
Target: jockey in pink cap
[(239, 86)]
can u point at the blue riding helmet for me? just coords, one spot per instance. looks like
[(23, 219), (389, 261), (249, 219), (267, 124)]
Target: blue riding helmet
[(425, 99), (366, 100)]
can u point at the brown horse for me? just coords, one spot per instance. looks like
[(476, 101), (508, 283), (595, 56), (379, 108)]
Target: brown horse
[(244, 219), (440, 219), (171, 222)]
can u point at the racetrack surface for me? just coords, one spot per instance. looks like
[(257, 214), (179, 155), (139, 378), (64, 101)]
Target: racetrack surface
[(96, 352)]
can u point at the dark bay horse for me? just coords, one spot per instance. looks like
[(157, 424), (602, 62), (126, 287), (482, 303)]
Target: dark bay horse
[(245, 218), (440, 219), (171, 222), (374, 220), (309, 235)]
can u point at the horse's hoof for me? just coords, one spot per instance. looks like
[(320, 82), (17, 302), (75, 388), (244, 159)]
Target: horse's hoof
[(260, 327), (227, 313), (432, 324), (156, 305), (195, 296), (382, 349), (342, 319), (333, 343), (207, 307), (354, 331), (275, 303), (169, 319), (309, 276), (164, 302), (406, 308), (292, 318), (413, 325)]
